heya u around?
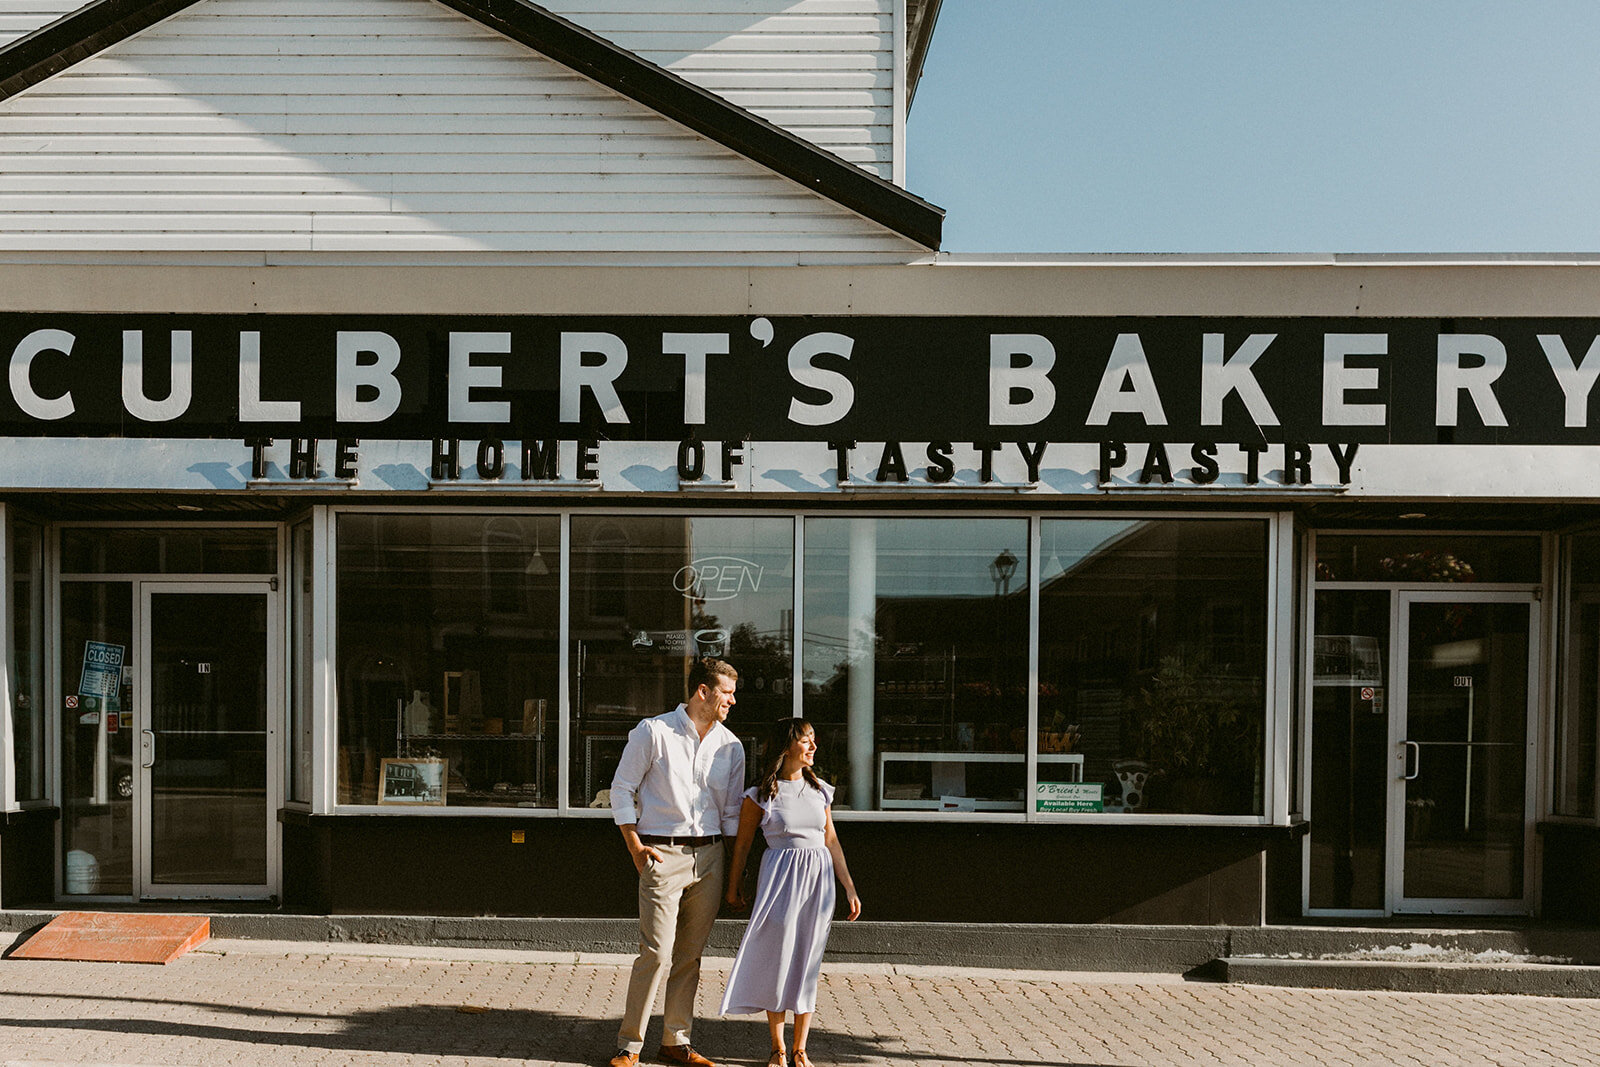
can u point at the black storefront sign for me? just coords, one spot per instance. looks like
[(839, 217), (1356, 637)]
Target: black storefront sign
[(1248, 381)]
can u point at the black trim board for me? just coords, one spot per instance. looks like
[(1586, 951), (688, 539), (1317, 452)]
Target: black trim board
[(99, 25), (77, 36)]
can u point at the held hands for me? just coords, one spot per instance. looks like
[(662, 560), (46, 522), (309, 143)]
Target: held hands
[(735, 894)]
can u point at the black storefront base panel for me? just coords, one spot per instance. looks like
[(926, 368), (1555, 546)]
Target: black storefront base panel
[(905, 872), (27, 845), (1571, 872)]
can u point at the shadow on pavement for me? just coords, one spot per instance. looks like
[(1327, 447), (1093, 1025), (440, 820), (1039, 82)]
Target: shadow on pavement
[(437, 1030)]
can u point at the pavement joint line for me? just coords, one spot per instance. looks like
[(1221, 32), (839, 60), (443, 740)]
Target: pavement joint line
[(711, 965)]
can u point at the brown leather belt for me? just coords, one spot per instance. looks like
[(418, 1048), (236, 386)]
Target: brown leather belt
[(692, 842)]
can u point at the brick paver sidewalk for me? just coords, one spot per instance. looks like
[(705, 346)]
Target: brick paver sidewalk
[(280, 1003)]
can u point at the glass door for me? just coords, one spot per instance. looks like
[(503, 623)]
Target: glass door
[(1460, 812), (208, 702)]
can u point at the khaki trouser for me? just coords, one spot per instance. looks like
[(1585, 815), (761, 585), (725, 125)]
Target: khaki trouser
[(679, 897)]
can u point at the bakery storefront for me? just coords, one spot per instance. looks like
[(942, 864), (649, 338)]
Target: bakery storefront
[(1195, 615), (398, 393)]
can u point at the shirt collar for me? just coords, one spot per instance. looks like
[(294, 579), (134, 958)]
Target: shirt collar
[(686, 725)]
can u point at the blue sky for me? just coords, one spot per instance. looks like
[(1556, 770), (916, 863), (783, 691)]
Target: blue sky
[(1249, 126)]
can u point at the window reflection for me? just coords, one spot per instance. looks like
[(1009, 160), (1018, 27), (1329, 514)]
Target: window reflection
[(649, 593), (1153, 637), (447, 642), (916, 660), (300, 663), (169, 550), (1577, 723), (26, 660), (1410, 559)]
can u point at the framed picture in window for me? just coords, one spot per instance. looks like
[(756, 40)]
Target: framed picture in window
[(412, 781)]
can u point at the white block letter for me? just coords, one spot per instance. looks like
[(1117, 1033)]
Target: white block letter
[(465, 377), (1127, 364), (1033, 378), (841, 393), (1453, 378), (600, 379), (351, 375), (694, 348), (1220, 376), (1338, 379), (178, 395), (1576, 382), (251, 407), (31, 403)]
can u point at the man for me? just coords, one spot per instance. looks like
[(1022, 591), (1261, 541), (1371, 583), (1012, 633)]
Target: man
[(676, 796)]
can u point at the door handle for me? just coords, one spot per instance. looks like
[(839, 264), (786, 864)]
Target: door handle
[(1413, 749), (147, 748)]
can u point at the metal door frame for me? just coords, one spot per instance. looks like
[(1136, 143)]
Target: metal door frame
[(144, 591), (1400, 698)]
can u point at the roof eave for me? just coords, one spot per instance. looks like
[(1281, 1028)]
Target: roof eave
[(76, 36)]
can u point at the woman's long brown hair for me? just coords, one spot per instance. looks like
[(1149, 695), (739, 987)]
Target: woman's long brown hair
[(784, 733)]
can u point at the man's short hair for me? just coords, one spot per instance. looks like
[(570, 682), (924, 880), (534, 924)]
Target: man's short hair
[(705, 671)]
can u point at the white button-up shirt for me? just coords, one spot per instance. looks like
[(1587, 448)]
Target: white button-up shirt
[(671, 782)]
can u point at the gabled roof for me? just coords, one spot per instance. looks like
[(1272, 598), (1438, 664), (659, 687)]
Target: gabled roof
[(102, 23)]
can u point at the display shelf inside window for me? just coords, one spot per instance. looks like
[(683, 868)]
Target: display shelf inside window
[(914, 698), (620, 682), (490, 761)]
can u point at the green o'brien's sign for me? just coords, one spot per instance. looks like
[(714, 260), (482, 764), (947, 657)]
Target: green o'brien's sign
[(1069, 796)]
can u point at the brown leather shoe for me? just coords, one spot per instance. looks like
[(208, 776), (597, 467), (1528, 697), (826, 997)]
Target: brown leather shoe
[(624, 1058), (682, 1054)]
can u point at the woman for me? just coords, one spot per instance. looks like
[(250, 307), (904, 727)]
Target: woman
[(781, 954)]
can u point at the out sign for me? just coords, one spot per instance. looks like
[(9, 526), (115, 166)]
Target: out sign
[(1463, 681)]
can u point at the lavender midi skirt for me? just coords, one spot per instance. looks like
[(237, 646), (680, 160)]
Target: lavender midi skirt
[(781, 953)]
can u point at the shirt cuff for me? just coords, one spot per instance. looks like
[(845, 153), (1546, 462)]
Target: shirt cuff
[(623, 814)]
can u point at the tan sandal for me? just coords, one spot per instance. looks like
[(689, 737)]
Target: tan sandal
[(800, 1058), (779, 1058)]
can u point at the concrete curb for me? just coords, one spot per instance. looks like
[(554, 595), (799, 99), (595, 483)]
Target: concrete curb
[(1396, 976), (1097, 948), (1100, 948)]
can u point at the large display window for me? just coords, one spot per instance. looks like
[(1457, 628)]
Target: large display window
[(1153, 661), (649, 593), (25, 660), (1578, 722), (447, 642), (915, 660), (302, 655), (1128, 676)]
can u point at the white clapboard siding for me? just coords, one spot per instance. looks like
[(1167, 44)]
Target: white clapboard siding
[(797, 63), (397, 126), (18, 18)]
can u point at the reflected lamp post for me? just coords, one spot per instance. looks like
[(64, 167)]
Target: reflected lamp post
[(1002, 568)]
